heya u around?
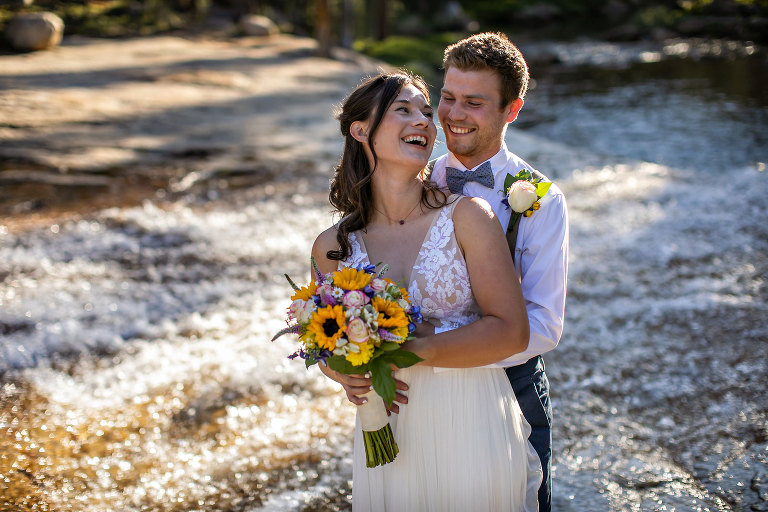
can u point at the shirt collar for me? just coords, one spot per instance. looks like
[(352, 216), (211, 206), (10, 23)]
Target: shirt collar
[(498, 161)]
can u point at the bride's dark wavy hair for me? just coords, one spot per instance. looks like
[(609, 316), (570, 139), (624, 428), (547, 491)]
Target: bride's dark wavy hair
[(351, 192)]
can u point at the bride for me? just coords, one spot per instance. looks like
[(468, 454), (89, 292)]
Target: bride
[(462, 438)]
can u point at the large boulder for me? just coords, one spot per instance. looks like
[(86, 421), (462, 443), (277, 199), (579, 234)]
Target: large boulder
[(34, 31), (255, 25)]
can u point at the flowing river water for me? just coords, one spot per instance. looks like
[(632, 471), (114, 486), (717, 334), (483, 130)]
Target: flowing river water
[(138, 375)]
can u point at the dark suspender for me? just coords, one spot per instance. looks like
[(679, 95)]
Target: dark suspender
[(512, 230)]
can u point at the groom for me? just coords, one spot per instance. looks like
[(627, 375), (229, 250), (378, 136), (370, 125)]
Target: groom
[(485, 81)]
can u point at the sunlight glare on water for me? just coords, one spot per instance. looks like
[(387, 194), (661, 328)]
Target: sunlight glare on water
[(207, 413)]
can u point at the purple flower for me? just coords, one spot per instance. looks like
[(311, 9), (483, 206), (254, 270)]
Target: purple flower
[(325, 292)]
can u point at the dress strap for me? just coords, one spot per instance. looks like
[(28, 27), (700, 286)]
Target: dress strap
[(452, 201)]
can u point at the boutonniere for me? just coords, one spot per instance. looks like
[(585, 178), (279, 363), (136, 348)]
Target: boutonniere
[(522, 193)]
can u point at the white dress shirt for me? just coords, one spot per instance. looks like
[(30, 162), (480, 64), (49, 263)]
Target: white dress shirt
[(541, 250)]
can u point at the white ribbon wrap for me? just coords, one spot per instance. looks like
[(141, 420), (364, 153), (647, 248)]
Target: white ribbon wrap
[(373, 413)]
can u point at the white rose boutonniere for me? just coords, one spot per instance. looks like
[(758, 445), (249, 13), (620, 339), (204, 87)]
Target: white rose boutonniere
[(522, 193)]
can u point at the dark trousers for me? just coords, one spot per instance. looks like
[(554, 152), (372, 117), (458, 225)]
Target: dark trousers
[(531, 386)]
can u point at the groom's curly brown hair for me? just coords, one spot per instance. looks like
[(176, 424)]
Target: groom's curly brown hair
[(493, 51)]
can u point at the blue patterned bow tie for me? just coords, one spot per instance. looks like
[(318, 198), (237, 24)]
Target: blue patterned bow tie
[(455, 178)]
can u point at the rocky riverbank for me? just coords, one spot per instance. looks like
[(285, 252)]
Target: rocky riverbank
[(112, 122)]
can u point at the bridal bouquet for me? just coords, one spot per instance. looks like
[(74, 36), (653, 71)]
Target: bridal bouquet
[(354, 320)]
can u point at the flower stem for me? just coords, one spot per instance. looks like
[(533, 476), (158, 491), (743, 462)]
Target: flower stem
[(380, 447)]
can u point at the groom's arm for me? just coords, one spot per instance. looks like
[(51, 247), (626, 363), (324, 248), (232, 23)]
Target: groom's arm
[(543, 266)]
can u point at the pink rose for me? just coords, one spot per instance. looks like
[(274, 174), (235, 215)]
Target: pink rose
[(301, 310), (357, 330), (355, 299), (522, 195), (378, 285)]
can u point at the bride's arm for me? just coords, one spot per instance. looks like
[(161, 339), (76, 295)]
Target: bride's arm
[(502, 329)]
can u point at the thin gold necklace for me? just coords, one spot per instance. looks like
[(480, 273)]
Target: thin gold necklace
[(401, 221)]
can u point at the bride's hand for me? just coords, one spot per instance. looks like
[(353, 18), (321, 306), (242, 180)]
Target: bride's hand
[(357, 385)]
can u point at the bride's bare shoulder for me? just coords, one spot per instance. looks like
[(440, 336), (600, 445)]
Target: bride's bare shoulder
[(325, 241), (473, 209)]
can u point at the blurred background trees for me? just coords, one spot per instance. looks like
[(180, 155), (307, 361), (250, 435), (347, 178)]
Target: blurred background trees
[(350, 20), (412, 33)]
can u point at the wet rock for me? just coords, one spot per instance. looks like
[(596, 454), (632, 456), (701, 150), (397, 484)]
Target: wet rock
[(540, 12), (615, 10), (255, 25), (34, 31), (759, 484), (57, 179)]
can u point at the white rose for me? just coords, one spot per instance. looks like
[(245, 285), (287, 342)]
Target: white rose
[(301, 310), (403, 304), (522, 195), (357, 330)]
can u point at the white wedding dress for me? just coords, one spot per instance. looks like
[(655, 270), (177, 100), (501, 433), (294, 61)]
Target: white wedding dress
[(462, 437)]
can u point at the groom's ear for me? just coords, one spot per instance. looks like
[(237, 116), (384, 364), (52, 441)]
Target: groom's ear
[(513, 109), (359, 131)]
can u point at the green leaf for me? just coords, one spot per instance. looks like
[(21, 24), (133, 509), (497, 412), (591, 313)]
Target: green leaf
[(525, 174), (508, 181), (341, 365), (389, 346), (293, 285), (383, 382), (401, 358), (542, 188), (315, 267)]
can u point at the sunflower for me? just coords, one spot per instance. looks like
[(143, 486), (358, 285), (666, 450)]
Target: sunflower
[(351, 279), (390, 314), (306, 292), (327, 325), (362, 357)]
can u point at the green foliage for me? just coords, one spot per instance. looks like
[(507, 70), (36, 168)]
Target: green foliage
[(493, 10), (657, 16), (380, 367), (341, 365), (420, 55), (497, 13), (400, 50), (117, 17), (383, 382)]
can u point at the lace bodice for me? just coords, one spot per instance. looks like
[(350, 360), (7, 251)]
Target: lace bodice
[(439, 281)]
